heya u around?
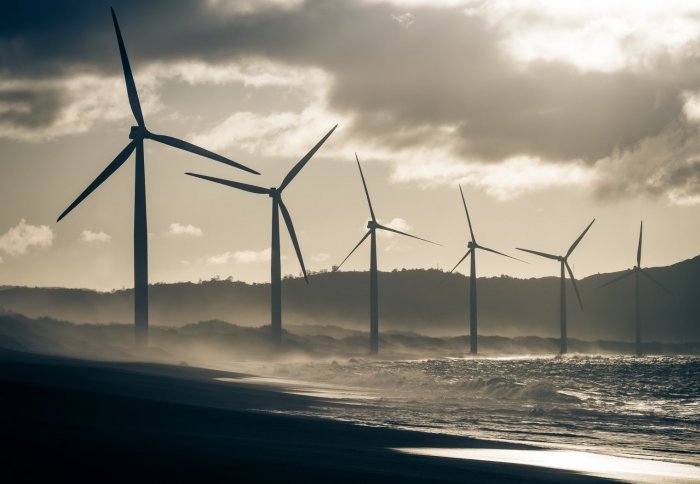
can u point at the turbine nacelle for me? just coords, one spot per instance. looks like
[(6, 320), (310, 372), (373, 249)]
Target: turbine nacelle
[(372, 225), (139, 133), (275, 193)]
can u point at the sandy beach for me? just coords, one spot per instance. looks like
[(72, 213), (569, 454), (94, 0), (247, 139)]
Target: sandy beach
[(88, 420)]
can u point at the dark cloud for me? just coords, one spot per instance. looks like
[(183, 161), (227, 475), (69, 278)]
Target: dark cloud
[(668, 164), (683, 181), (29, 108), (445, 68)]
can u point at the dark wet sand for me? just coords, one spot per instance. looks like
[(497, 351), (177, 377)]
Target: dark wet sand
[(93, 421)]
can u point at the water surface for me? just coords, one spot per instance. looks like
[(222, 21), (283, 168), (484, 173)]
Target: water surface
[(645, 407)]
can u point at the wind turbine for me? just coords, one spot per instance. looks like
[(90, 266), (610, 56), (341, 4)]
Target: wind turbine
[(636, 271), (277, 207), (372, 227), (473, 247), (562, 288), (137, 134)]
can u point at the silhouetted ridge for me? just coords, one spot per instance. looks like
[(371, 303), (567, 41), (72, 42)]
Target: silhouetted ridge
[(411, 300)]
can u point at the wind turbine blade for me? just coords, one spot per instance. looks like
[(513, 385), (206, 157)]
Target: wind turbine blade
[(404, 233), (639, 247), (471, 231), (353, 250), (573, 281), (618, 278), (111, 168), (241, 186), (460, 261), (300, 164), (655, 281), (293, 236), (541, 254), (128, 76), (444, 278), (576, 242), (500, 253), (184, 145), (364, 184)]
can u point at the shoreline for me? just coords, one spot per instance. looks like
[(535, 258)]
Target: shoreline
[(86, 419), (606, 461)]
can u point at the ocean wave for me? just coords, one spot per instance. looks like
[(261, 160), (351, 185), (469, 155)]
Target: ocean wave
[(642, 406)]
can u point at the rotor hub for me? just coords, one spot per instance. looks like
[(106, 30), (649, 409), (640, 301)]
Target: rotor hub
[(371, 224), (274, 193), (138, 132)]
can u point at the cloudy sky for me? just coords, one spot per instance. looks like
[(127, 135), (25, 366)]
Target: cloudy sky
[(548, 113)]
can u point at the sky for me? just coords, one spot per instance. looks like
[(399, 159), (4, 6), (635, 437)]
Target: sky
[(549, 114)]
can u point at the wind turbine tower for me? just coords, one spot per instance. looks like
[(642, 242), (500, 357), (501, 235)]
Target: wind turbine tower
[(564, 263), (637, 270), (275, 193), (138, 134), (473, 246), (372, 227)]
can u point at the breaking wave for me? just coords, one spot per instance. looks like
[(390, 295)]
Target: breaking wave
[(647, 407)]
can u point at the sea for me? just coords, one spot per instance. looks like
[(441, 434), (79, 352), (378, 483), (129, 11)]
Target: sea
[(633, 407)]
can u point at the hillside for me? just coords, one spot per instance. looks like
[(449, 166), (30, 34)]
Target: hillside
[(423, 301)]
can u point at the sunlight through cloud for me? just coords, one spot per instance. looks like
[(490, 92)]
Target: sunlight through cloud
[(505, 181)]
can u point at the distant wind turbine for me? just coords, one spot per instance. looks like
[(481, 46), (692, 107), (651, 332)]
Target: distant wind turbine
[(277, 206), (636, 271), (137, 135), (473, 247), (562, 291), (372, 227)]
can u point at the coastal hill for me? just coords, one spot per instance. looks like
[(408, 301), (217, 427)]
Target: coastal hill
[(423, 301)]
